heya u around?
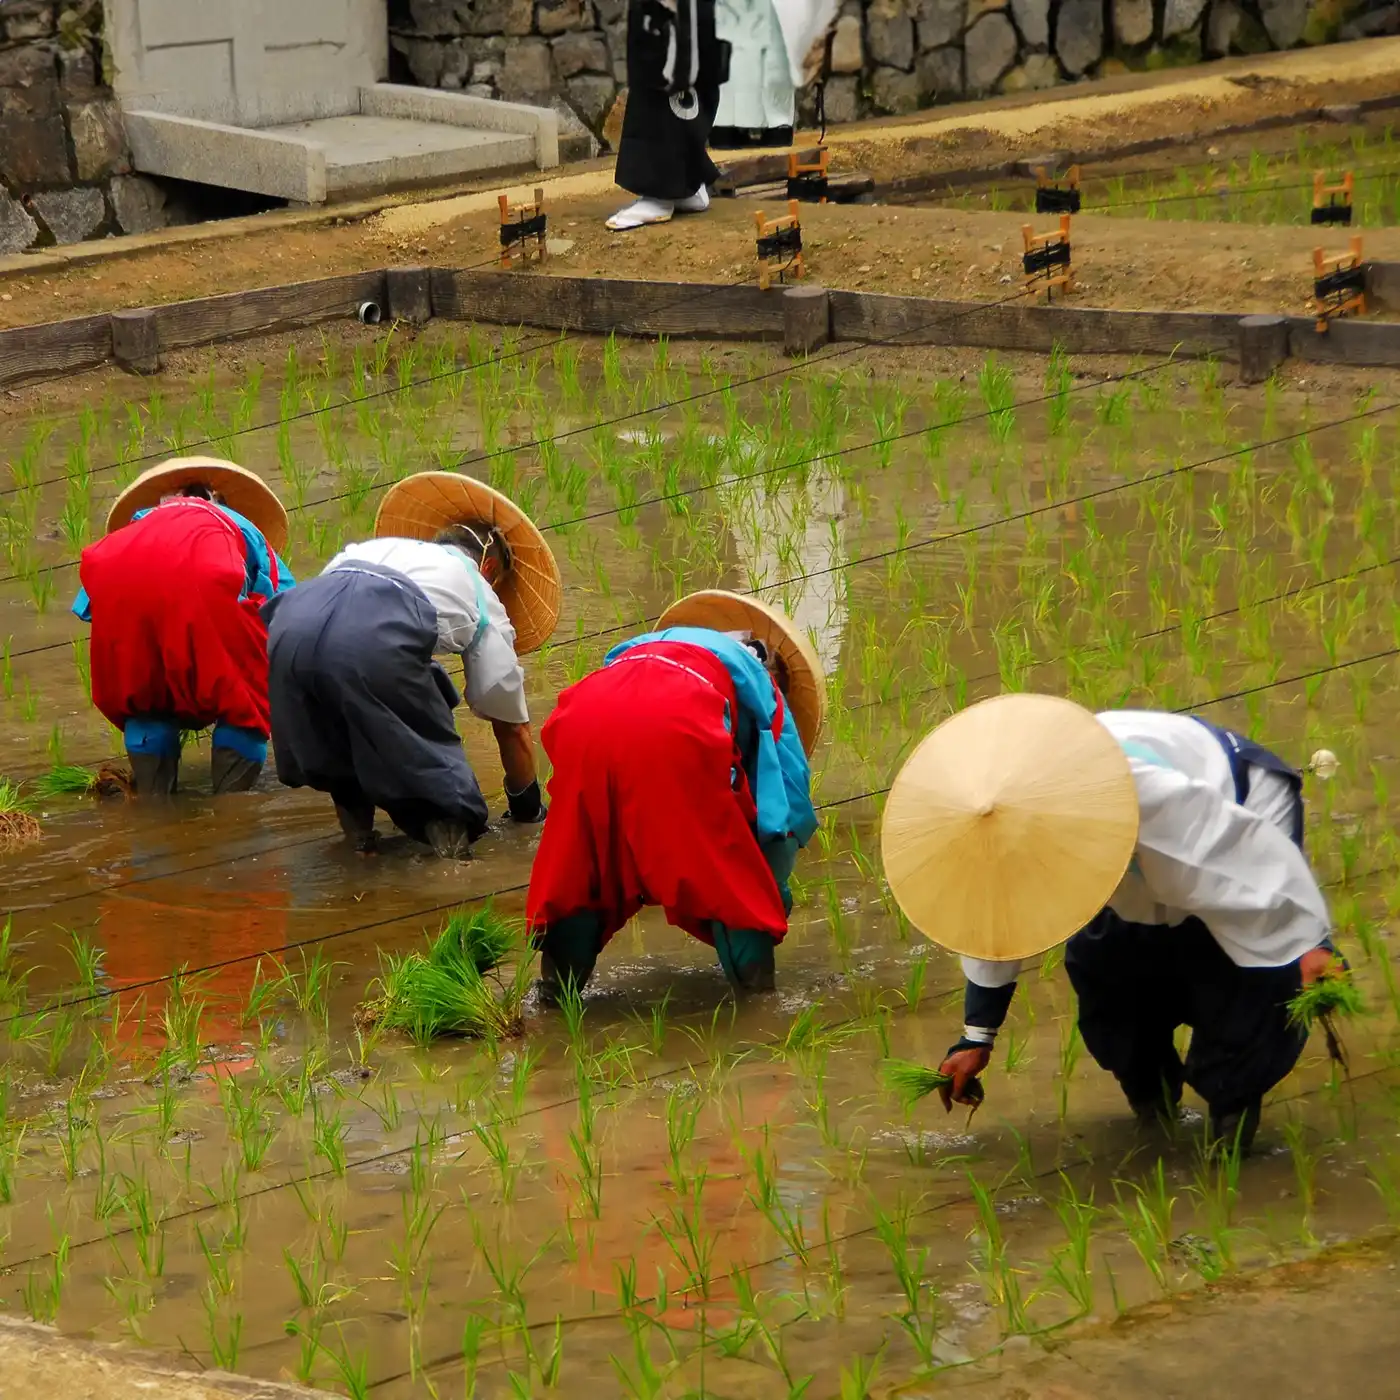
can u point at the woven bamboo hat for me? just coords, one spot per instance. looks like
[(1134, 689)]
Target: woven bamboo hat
[(244, 491), (419, 506), (1010, 826), (805, 689)]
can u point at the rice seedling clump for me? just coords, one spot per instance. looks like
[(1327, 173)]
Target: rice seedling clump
[(445, 990)]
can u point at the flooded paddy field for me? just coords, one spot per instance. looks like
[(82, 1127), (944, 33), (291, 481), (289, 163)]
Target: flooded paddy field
[(663, 1193), (1261, 178)]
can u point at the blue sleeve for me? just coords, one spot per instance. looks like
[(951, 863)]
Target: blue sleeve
[(260, 559), (82, 606), (782, 790)]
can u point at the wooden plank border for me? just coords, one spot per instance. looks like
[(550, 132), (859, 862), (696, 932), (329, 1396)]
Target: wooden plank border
[(710, 311), (606, 305)]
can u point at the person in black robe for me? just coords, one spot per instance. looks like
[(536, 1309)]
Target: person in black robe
[(675, 68)]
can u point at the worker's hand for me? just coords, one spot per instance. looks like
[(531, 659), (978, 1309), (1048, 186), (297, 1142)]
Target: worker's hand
[(526, 807), (964, 1063), (1317, 964)]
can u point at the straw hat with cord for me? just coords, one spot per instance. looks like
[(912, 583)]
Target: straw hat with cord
[(800, 674), (1009, 826), (240, 490), (531, 590)]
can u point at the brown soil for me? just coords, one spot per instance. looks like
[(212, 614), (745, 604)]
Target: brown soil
[(36, 1363), (1320, 1330), (938, 252)]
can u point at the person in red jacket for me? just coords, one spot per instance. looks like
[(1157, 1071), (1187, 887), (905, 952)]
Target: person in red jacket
[(173, 592), (681, 779)]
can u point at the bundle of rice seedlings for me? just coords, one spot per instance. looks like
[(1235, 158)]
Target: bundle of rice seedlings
[(445, 990), (1329, 999), (64, 779), (17, 827), (910, 1082)]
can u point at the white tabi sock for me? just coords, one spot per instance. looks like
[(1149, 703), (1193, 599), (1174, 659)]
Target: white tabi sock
[(696, 203), (644, 211)]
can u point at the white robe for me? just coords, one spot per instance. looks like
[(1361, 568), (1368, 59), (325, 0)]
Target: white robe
[(1200, 853)]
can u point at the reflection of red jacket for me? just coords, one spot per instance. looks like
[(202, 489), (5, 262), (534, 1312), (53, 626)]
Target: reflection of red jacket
[(149, 931), (649, 803), (172, 633)]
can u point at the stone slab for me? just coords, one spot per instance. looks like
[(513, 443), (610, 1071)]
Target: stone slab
[(370, 153), (71, 215), (212, 154), (459, 109), (17, 230)]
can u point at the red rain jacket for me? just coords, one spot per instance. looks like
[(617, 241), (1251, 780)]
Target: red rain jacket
[(649, 803), (173, 632)]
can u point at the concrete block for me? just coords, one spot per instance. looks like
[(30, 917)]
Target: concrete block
[(233, 157), (458, 109), (245, 63)]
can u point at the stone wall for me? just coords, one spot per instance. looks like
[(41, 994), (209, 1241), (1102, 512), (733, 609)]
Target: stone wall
[(65, 174), (887, 56)]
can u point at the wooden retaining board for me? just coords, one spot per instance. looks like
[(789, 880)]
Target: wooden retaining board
[(1081, 330), (602, 305), (56, 348), (186, 324), (85, 342)]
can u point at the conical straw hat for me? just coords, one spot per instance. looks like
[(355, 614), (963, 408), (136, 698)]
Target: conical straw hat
[(1010, 826), (244, 491), (418, 507), (733, 612)]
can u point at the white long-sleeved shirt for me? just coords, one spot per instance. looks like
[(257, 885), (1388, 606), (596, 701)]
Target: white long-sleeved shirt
[(495, 681), (1201, 853)]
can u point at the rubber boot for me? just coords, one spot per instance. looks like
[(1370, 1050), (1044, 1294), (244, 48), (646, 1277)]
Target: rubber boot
[(568, 954), (154, 774), (232, 772), (1234, 1130), (747, 959), (449, 839), (357, 822)]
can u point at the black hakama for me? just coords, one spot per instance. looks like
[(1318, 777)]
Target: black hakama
[(360, 709), (675, 67)]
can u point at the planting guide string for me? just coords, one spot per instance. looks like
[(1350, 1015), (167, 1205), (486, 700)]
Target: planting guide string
[(966, 531), (555, 339), (274, 954), (837, 453), (391, 1153)]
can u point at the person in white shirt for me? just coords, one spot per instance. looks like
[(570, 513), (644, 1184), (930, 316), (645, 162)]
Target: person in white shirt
[(360, 707), (1181, 843)]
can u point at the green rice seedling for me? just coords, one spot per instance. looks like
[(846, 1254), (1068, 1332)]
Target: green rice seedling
[(919, 1318), (1304, 1158), (1384, 1177), (858, 1380), (72, 1129), (311, 990), (1000, 1280), (682, 1113), (250, 1125), (1071, 1047), (87, 961), (503, 1159), (146, 1225), (328, 1133), (1070, 1265), (43, 1294), (11, 1152), (1147, 1218), (223, 1335), (182, 1019)]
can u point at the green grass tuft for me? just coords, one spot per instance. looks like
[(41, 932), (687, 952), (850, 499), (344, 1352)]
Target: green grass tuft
[(445, 991)]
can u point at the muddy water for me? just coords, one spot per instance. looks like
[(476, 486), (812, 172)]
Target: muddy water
[(696, 1197)]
